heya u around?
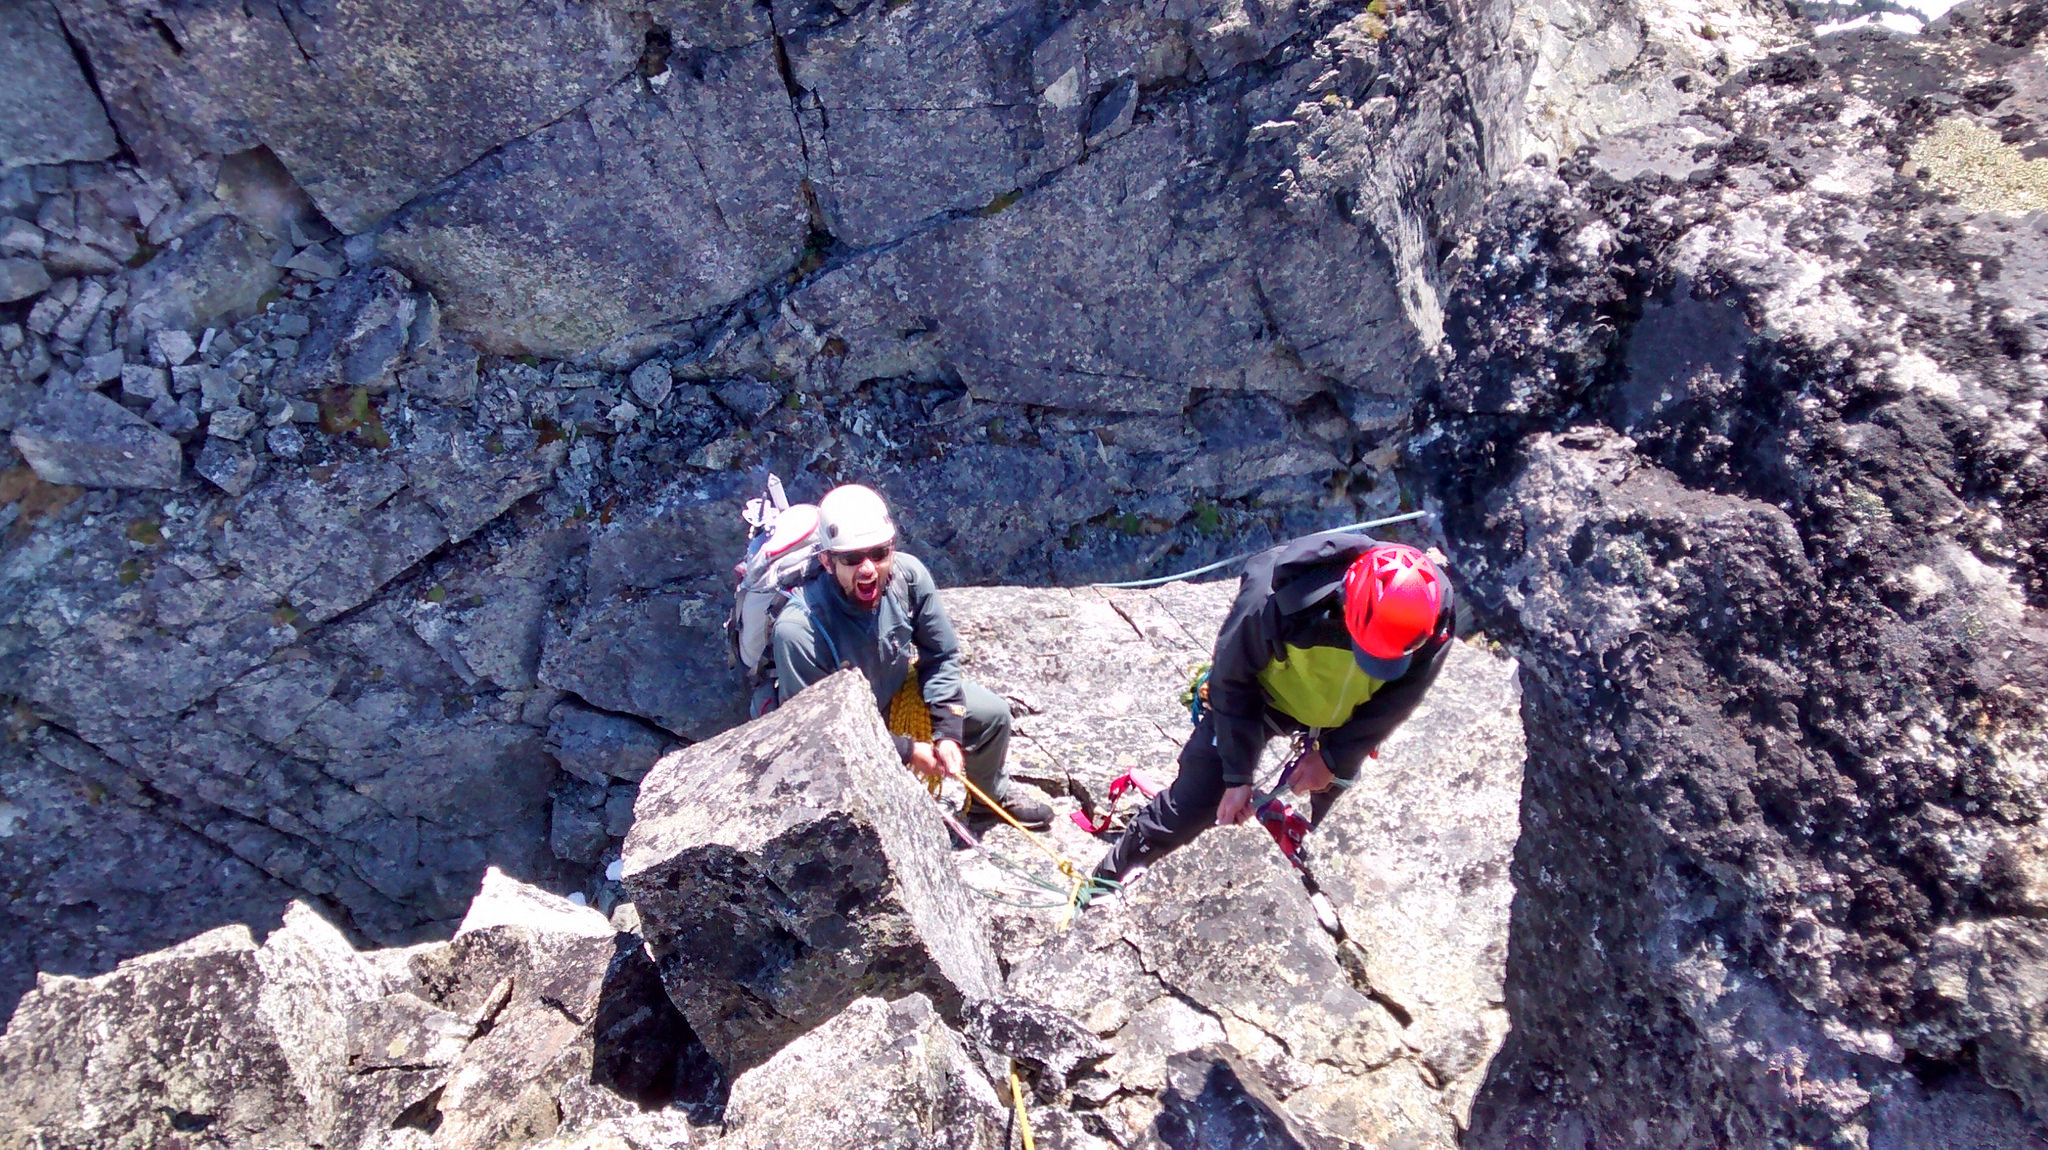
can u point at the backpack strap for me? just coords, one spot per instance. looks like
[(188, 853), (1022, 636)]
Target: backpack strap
[(818, 626)]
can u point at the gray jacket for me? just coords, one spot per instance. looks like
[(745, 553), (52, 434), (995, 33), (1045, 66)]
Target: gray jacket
[(820, 631)]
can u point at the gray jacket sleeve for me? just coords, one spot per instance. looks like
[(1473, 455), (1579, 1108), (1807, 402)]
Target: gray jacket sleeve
[(798, 660), (938, 652)]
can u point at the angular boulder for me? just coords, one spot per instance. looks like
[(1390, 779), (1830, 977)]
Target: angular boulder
[(529, 970), (595, 746), (881, 1076), (784, 869), (84, 439), (219, 272), (219, 1037)]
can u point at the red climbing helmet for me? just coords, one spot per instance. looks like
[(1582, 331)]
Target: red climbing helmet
[(1392, 597)]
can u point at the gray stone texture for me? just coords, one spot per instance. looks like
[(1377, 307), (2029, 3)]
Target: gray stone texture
[(517, 1027), (217, 273), (1417, 859), (1775, 569), (49, 114), (594, 746), (83, 439), (320, 87), (644, 208), (22, 278), (221, 1033), (788, 867), (884, 1074)]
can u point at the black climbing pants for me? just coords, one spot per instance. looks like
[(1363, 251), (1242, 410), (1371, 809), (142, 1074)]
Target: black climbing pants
[(1187, 808)]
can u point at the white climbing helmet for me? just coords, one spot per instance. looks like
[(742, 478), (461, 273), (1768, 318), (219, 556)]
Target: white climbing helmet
[(855, 518)]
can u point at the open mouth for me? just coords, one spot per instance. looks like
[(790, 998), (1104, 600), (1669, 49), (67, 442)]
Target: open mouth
[(867, 588)]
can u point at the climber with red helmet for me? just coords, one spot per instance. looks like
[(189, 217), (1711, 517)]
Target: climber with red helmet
[(1334, 636)]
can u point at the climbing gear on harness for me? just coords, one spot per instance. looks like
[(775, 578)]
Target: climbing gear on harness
[(1128, 781), (855, 518), (1221, 563), (1392, 596), (1196, 697), (1288, 828)]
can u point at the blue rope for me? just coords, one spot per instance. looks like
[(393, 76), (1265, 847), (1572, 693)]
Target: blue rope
[(1136, 583)]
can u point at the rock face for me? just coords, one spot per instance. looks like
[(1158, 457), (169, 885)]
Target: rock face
[(48, 114), (1731, 421), (218, 78), (1758, 502), (785, 868)]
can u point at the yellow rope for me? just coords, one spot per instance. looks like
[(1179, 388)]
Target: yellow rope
[(1066, 865), (910, 715), (1023, 1120)]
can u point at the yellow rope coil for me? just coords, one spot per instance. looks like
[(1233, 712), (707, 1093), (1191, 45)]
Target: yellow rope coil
[(908, 714)]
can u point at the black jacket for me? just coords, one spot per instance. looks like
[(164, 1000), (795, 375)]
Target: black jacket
[(1288, 626)]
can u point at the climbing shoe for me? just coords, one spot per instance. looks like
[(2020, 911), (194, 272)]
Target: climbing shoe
[(1025, 804)]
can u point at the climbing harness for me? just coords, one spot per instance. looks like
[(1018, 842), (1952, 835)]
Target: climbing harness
[(1221, 563)]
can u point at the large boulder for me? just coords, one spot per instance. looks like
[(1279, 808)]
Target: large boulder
[(888, 1075), (83, 439), (784, 869), (49, 114)]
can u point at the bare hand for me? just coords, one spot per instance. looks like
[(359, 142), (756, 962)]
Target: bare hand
[(1311, 774), (1235, 808), (924, 762), (952, 760)]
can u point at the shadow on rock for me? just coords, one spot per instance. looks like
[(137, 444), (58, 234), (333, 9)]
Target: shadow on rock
[(642, 1048)]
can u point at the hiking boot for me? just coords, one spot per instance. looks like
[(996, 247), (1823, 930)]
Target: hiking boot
[(1025, 803)]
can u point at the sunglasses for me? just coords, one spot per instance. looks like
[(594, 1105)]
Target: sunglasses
[(855, 558)]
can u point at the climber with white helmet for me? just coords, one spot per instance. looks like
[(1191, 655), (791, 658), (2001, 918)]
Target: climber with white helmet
[(877, 609), (1333, 638)]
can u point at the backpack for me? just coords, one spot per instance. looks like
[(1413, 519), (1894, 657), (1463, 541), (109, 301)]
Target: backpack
[(783, 543)]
